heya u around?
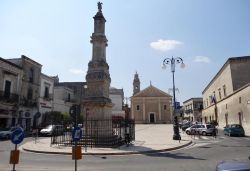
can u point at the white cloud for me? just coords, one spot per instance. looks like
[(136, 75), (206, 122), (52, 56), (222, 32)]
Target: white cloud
[(202, 59), (165, 45), (77, 71)]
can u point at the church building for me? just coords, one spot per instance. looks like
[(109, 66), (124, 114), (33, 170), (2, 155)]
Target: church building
[(150, 105)]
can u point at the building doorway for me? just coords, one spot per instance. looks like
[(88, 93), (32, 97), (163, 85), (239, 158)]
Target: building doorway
[(152, 118)]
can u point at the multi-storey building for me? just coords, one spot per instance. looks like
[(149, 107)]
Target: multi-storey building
[(10, 86), (226, 98), (117, 98), (192, 109), (30, 90), (45, 99)]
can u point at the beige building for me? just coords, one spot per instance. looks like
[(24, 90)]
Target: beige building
[(192, 109), (150, 105), (30, 90), (10, 87), (227, 97)]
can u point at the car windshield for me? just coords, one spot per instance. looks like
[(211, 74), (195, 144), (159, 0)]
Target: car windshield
[(48, 127), (210, 126), (236, 126)]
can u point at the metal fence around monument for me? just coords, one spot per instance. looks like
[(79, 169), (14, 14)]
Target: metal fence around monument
[(97, 133)]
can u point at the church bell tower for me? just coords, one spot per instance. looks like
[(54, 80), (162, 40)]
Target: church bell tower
[(136, 84)]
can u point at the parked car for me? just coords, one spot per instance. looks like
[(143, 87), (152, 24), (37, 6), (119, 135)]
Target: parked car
[(52, 129), (203, 129), (233, 166), (5, 134), (186, 125), (234, 130)]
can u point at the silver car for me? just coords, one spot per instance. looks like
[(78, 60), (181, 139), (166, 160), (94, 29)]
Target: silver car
[(203, 129)]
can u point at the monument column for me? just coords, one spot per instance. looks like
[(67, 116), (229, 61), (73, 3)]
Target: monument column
[(98, 78)]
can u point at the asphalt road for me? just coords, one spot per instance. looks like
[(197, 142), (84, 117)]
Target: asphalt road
[(203, 155)]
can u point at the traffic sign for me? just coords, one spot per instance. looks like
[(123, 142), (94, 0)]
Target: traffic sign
[(17, 136), (76, 134)]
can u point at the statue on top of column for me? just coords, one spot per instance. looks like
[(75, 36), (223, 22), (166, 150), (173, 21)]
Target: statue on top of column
[(99, 4)]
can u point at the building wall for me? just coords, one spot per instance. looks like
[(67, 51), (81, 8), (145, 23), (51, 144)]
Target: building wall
[(192, 109), (223, 79), (154, 105), (61, 101), (240, 72), (46, 103), (232, 106), (8, 108)]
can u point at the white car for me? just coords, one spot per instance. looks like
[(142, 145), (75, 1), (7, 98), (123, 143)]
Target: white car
[(6, 133), (52, 129)]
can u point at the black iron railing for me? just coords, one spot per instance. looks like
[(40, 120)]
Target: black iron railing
[(98, 133), (8, 97)]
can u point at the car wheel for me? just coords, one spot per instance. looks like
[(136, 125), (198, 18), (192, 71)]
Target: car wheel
[(188, 132), (204, 133)]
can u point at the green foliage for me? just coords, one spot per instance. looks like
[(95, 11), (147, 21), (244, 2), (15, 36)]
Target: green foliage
[(66, 118)]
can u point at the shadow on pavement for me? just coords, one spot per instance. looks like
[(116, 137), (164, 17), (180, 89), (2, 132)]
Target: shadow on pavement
[(174, 156)]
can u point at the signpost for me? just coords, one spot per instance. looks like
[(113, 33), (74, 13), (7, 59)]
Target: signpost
[(74, 112), (77, 150), (76, 134), (17, 137)]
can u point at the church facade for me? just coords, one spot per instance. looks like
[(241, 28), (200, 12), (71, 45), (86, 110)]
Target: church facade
[(150, 105)]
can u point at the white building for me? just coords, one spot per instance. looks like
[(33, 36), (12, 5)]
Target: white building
[(63, 99), (117, 97), (46, 96)]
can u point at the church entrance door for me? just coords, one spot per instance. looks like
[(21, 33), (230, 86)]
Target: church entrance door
[(152, 117)]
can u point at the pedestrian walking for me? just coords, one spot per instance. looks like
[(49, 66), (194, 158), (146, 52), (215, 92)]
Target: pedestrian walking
[(214, 132)]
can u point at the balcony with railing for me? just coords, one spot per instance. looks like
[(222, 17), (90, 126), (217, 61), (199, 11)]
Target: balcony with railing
[(48, 97), (8, 97), (28, 102)]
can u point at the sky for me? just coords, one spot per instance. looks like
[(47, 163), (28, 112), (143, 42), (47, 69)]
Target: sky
[(141, 34)]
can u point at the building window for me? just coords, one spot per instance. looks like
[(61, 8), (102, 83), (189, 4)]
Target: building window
[(137, 107), (219, 93), (239, 99), (211, 99), (46, 92), (165, 107), (226, 106), (68, 99), (31, 75), (224, 90), (7, 89), (207, 102), (30, 94)]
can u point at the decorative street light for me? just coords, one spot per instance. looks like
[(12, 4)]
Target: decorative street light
[(173, 61)]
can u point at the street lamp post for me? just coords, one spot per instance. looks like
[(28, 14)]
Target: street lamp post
[(173, 61)]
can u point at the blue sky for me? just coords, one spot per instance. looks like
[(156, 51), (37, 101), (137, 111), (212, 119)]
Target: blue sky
[(140, 35)]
